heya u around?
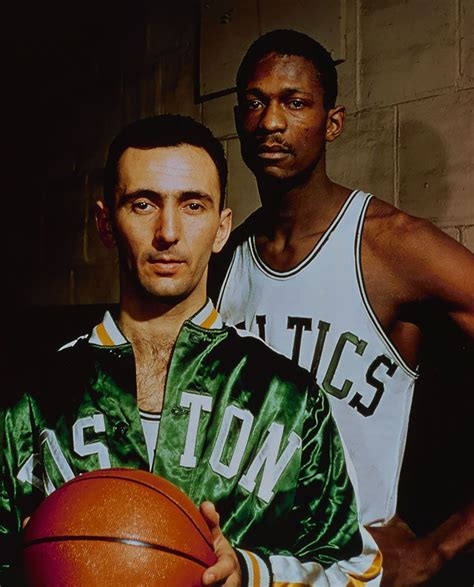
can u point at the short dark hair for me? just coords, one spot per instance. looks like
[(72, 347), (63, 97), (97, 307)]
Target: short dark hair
[(289, 42), (164, 130)]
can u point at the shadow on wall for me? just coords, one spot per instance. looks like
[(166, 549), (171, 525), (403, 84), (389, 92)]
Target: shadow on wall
[(437, 476)]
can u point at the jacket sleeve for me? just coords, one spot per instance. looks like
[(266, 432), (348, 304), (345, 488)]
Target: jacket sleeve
[(322, 542), (9, 516), (18, 497), (9, 539)]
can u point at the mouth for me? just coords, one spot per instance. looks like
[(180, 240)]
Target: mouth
[(272, 152), (166, 265)]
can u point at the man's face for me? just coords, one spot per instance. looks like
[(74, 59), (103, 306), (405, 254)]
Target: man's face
[(166, 221), (281, 119)]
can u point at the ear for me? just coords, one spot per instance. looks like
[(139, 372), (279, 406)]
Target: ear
[(223, 232), (335, 122), (104, 224)]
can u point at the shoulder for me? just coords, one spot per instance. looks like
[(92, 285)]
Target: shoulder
[(383, 219), (394, 235), (14, 408), (401, 237), (413, 252), (275, 379), (63, 375), (258, 360)]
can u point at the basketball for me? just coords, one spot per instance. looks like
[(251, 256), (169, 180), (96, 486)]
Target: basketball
[(117, 527)]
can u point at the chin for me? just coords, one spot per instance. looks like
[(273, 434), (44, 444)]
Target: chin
[(153, 290), (285, 178), (260, 170), (167, 295), (275, 174)]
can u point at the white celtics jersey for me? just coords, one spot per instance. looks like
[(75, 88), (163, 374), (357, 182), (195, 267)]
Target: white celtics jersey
[(318, 314)]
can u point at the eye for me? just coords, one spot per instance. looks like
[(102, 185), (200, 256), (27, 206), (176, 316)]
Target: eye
[(194, 206), (254, 104), (141, 206), (296, 104)]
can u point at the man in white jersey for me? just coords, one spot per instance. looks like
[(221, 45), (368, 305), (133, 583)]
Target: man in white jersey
[(335, 279)]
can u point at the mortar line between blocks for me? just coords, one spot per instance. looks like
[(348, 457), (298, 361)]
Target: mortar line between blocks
[(458, 26), (358, 54), (396, 156)]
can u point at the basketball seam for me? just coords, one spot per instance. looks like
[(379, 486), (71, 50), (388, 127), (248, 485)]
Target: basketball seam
[(155, 489), (126, 541)]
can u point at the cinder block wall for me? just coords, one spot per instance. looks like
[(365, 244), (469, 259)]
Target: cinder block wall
[(407, 80)]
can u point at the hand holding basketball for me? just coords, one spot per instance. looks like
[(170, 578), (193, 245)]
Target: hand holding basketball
[(226, 571)]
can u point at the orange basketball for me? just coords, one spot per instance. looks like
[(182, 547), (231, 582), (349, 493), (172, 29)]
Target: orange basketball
[(117, 527)]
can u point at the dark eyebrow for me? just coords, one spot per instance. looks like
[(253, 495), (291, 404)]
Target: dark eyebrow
[(126, 197), (290, 91), (285, 92), (253, 91), (195, 195)]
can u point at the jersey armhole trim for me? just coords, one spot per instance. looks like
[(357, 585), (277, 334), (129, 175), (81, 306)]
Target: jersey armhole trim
[(363, 293)]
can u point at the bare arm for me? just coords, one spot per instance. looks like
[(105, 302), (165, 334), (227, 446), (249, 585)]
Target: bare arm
[(442, 271), (413, 268), (408, 264), (413, 275), (410, 561)]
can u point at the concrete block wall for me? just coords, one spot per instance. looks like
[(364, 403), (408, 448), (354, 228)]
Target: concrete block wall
[(407, 79)]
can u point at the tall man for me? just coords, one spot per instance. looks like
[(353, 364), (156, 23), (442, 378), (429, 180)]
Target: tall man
[(337, 280), (238, 425)]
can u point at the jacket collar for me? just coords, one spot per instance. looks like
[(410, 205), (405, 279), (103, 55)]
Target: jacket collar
[(108, 334)]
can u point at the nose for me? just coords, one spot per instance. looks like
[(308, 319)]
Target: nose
[(273, 118), (168, 226)]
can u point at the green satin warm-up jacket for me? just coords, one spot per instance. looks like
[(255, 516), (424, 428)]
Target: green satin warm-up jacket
[(241, 426)]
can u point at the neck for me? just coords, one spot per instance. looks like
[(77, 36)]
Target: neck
[(300, 207), (147, 318)]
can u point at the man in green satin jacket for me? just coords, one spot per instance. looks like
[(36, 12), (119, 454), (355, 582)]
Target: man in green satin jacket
[(239, 425)]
